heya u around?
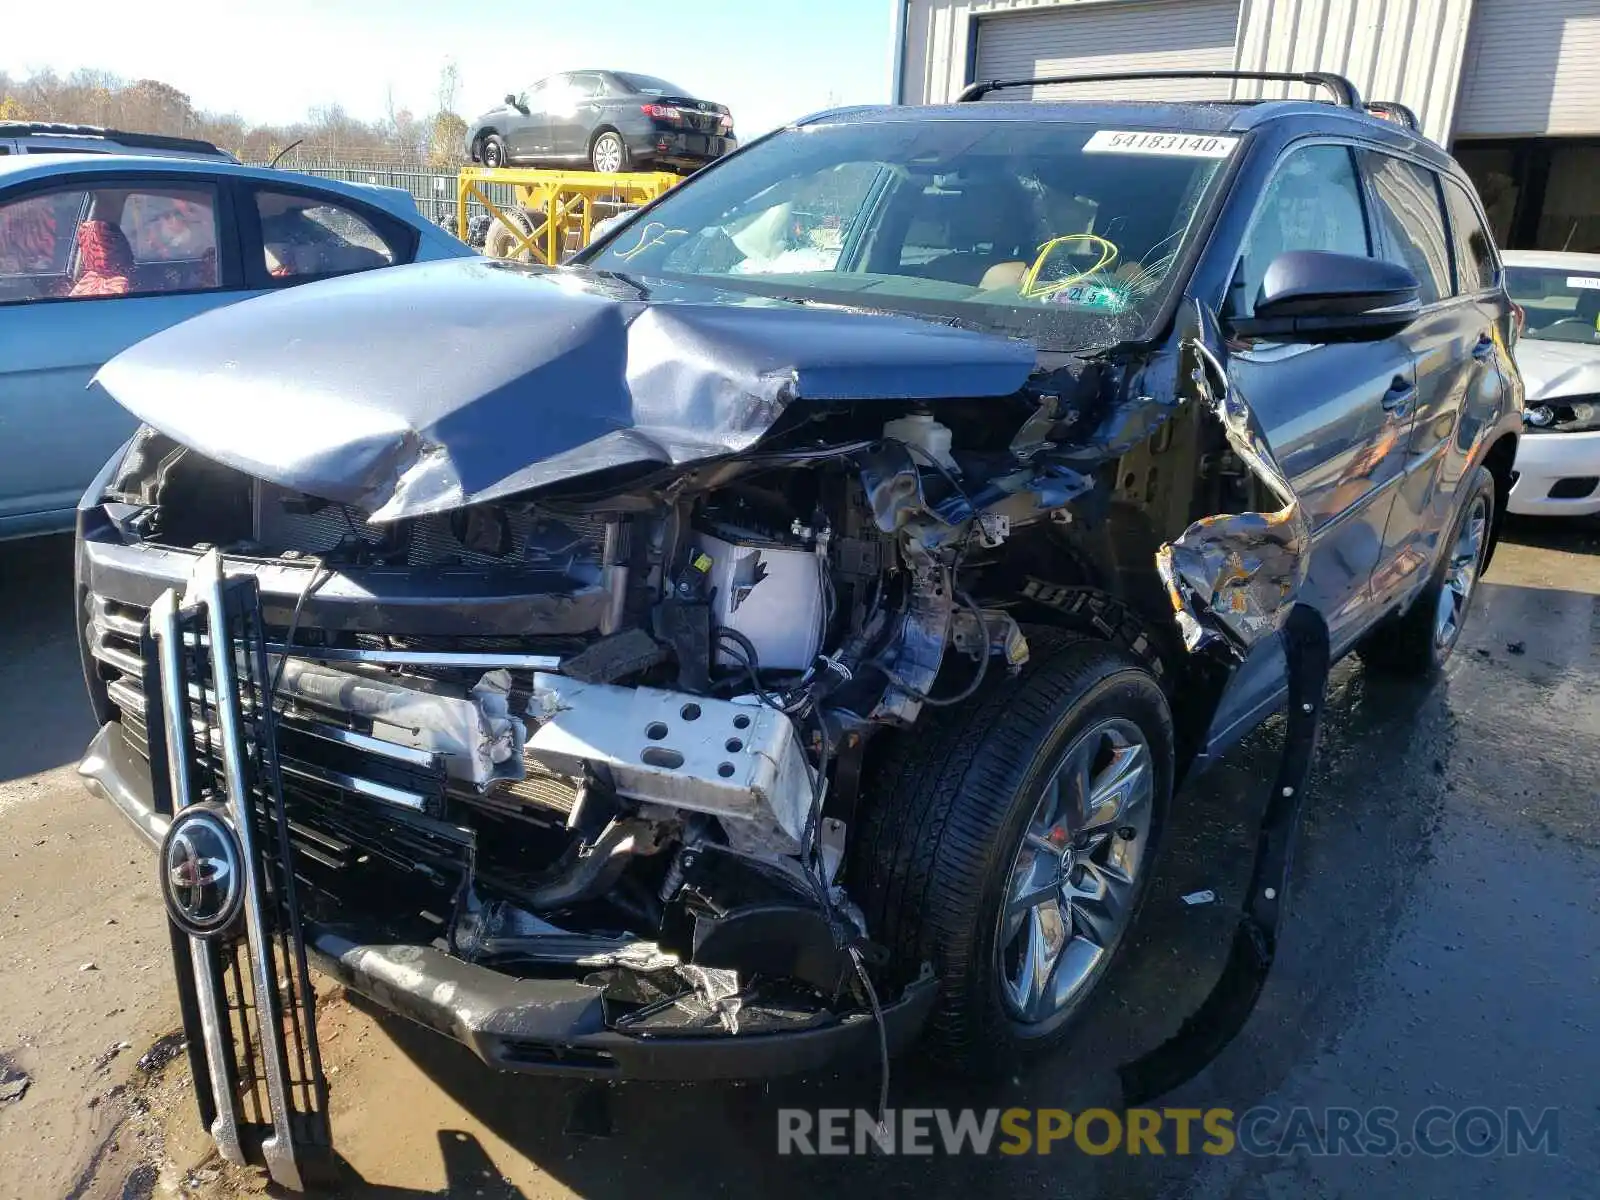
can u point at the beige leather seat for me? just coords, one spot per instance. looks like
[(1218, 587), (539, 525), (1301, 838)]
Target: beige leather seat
[(1003, 275)]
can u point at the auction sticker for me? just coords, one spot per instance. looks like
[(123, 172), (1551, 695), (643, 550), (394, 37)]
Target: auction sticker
[(1174, 145), (1589, 283)]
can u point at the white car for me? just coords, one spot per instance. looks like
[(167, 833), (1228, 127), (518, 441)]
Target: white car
[(1558, 457)]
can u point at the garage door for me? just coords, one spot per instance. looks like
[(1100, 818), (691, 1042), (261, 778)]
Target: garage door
[(1082, 39), (1532, 67)]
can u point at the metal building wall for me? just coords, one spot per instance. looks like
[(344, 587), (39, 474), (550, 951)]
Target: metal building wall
[(1407, 50), (938, 47)]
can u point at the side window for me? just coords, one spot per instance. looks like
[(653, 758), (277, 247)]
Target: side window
[(175, 226), (306, 237), (1476, 268), (1313, 202), (586, 84), (36, 238), (110, 241), (1413, 226)]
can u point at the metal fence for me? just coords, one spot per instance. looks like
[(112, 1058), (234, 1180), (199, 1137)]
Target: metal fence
[(434, 190)]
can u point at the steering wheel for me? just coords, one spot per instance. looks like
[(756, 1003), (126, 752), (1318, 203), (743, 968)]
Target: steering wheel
[(1584, 321)]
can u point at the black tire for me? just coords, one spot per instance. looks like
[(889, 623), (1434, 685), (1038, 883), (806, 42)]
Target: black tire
[(945, 812), (492, 151), (501, 242), (608, 153), (1412, 644)]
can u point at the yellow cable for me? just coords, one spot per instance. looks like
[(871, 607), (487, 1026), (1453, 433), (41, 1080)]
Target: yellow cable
[(1031, 288)]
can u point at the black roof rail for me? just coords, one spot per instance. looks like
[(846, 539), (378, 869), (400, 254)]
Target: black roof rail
[(1344, 92), (146, 141), (1393, 110)]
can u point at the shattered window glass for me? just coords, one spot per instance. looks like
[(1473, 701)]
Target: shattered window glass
[(1059, 232)]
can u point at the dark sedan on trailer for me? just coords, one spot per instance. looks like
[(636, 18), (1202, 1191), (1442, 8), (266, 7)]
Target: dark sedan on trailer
[(606, 121)]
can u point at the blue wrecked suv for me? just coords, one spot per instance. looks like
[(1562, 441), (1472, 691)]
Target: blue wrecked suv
[(778, 634)]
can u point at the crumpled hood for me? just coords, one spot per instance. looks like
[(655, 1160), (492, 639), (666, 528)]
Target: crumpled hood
[(1551, 370), (419, 389)]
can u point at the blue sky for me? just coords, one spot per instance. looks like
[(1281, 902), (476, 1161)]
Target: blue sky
[(770, 60)]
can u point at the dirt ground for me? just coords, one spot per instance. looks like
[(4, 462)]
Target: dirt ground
[(1441, 948)]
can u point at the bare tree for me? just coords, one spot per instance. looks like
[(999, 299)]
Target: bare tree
[(153, 106), (449, 86)]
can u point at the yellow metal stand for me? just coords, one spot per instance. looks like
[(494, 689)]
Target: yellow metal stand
[(559, 204)]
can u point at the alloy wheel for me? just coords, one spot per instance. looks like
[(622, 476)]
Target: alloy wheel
[(1461, 574), (1071, 890), (608, 154)]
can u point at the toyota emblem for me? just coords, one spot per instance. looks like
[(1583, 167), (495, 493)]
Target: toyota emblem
[(202, 872)]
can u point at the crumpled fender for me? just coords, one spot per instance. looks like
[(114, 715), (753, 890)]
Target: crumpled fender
[(1233, 577)]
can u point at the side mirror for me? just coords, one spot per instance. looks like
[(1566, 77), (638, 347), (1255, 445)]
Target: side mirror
[(1319, 296), (512, 100)]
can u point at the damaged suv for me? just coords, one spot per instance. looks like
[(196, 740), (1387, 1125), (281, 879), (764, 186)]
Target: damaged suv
[(764, 636)]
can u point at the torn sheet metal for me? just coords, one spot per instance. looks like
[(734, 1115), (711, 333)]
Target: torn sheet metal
[(716, 993), (425, 388), (1234, 576)]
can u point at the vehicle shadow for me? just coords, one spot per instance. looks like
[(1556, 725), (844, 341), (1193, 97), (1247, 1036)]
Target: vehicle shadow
[(44, 715), (630, 1138), (1575, 535), (468, 1171)]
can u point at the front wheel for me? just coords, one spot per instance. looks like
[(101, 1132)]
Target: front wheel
[(1010, 843), (493, 151), (1419, 641)]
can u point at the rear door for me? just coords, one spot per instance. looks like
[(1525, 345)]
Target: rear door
[(1456, 346), (89, 266), (293, 234)]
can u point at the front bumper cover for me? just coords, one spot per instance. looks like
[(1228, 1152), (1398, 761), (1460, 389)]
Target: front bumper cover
[(544, 1026)]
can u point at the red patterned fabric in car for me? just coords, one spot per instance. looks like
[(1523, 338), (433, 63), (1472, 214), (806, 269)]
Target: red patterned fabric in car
[(105, 261)]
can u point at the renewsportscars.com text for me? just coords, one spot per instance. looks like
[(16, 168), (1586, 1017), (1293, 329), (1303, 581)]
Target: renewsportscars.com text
[(1258, 1132)]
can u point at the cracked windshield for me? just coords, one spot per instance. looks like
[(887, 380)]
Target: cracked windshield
[(1062, 233)]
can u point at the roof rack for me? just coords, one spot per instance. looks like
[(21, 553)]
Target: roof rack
[(146, 141), (1393, 110), (1344, 92)]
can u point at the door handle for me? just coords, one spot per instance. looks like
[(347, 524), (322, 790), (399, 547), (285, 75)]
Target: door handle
[(1402, 394), (1484, 350)]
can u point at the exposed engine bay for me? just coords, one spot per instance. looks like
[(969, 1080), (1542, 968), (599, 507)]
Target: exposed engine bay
[(653, 775)]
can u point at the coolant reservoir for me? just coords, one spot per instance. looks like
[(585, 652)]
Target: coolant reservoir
[(922, 431)]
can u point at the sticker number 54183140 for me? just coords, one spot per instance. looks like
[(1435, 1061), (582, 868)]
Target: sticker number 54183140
[(1178, 145)]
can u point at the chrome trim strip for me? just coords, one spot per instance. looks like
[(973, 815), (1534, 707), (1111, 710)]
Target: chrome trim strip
[(128, 664), (419, 658), (277, 1149), (175, 718), (354, 783), (102, 617), (411, 756), (125, 697)]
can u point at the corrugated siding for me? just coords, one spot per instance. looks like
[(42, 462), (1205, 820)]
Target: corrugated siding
[(1088, 38), (1406, 50), (1532, 67), (937, 42)]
